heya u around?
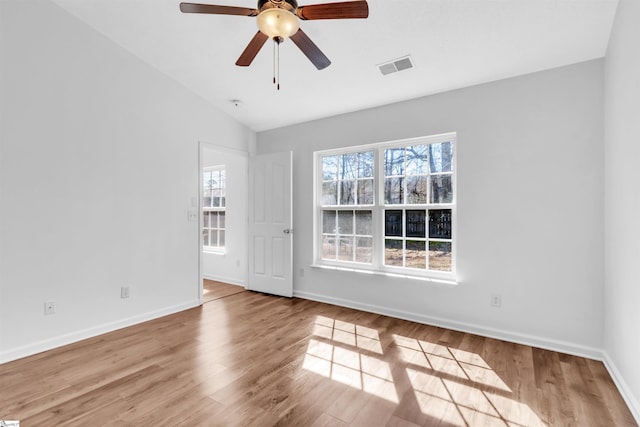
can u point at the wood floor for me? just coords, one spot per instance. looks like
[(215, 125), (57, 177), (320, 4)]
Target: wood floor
[(252, 359), (212, 290)]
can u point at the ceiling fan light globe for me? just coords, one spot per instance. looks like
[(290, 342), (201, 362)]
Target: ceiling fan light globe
[(277, 23)]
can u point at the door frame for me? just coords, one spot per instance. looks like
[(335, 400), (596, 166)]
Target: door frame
[(204, 145)]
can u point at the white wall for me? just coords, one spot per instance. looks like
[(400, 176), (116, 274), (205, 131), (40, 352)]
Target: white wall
[(622, 203), (231, 266), (99, 163), (530, 214)]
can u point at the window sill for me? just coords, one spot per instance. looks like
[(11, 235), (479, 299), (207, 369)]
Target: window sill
[(214, 251), (434, 280)]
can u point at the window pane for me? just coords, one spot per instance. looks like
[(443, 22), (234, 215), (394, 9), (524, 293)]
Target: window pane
[(440, 223), (364, 223), (417, 160), (416, 189), (329, 247), (345, 222), (365, 191), (365, 164), (215, 198), (205, 238), (345, 250), (348, 167), (213, 219), (221, 238), (207, 183), (441, 189), (221, 220), (416, 223), (393, 223), (347, 196), (205, 219), (393, 161), (213, 238), (441, 156), (206, 202), (416, 254), (393, 191), (363, 249), (329, 193), (393, 252), (440, 256), (330, 168), (328, 221)]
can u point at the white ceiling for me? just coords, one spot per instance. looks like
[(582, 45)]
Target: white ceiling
[(453, 44)]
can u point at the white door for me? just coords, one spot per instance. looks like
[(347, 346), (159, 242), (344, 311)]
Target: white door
[(270, 227)]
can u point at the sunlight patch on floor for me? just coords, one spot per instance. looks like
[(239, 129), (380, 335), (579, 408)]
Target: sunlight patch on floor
[(443, 378), (458, 363), (458, 387), (351, 368), (345, 352), (347, 333)]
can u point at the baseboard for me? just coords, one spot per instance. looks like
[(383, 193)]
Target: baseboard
[(531, 340), (229, 280), (623, 387), (59, 341)]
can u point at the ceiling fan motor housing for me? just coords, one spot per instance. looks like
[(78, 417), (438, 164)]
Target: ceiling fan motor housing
[(289, 5)]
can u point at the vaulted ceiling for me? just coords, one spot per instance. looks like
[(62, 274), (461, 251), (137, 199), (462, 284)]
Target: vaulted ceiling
[(452, 43)]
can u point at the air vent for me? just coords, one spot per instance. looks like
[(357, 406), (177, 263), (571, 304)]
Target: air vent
[(396, 65)]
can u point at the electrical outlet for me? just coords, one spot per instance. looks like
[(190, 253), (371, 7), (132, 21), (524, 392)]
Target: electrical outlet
[(124, 292), (496, 300), (49, 308)]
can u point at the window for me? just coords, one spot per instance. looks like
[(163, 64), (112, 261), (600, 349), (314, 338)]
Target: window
[(347, 189), (388, 207), (213, 206)]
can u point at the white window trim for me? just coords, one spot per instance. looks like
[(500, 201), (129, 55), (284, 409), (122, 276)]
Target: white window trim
[(377, 266), (217, 250)]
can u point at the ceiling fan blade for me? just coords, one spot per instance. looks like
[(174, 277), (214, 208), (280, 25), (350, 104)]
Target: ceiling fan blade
[(217, 10), (341, 10), (310, 49), (252, 49)]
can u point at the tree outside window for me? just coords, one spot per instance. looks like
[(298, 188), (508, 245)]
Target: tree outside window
[(389, 206)]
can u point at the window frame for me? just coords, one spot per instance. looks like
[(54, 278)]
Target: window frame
[(207, 209), (378, 208)]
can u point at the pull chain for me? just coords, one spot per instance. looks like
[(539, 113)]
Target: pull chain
[(276, 61)]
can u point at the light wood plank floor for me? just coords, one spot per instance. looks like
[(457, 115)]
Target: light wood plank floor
[(212, 290), (252, 359)]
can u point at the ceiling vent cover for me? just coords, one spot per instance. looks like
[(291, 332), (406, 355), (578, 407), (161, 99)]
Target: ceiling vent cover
[(396, 65)]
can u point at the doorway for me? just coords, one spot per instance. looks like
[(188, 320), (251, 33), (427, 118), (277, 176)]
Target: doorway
[(223, 213)]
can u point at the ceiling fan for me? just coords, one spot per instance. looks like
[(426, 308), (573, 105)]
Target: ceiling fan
[(278, 20)]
